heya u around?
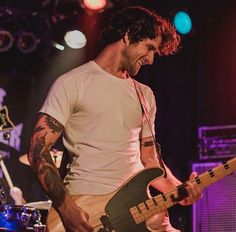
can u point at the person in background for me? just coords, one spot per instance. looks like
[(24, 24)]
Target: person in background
[(97, 110)]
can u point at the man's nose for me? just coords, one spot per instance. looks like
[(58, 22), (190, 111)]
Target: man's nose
[(150, 57)]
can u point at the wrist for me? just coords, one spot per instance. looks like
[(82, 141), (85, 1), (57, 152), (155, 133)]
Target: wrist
[(67, 205)]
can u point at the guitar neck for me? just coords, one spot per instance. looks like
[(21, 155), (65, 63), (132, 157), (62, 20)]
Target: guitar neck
[(215, 174), (161, 202)]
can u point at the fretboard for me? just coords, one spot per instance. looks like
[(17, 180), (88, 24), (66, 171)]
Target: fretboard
[(161, 202)]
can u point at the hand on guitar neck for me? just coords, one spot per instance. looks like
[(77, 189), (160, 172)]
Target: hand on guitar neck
[(193, 194)]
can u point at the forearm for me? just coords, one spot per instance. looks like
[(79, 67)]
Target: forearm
[(164, 184), (149, 158), (50, 180), (46, 132)]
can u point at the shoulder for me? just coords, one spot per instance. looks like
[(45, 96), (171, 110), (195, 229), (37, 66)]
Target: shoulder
[(146, 90), (77, 72), (75, 77)]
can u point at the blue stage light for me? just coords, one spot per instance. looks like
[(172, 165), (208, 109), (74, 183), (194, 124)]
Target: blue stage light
[(182, 22)]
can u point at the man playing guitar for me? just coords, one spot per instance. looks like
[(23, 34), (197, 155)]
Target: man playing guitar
[(97, 109)]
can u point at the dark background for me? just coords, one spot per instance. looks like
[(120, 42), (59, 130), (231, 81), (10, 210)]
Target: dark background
[(193, 88)]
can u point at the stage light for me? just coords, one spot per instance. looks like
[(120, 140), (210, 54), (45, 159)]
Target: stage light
[(75, 39), (58, 46), (6, 40), (182, 22), (94, 5), (27, 42)]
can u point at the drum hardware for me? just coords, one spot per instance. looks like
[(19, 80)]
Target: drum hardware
[(21, 218), (55, 154), (40, 228), (2, 196), (16, 217), (25, 217), (6, 135)]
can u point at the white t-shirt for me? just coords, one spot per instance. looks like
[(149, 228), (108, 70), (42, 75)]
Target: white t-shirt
[(103, 122)]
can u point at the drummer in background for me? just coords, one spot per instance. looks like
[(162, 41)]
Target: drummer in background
[(17, 196), (15, 192)]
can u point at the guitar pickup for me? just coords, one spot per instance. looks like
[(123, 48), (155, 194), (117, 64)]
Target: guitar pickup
[(106, 224)]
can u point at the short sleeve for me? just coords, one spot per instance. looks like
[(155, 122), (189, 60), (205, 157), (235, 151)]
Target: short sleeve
[(61, 99)]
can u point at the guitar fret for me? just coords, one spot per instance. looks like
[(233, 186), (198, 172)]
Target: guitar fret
[(164, 197), (154, 201), (211, 173), (138, 218), (226, 165), (142, 207), (160, 202), (198, 181), (146, 205), (139, 208), (168, 202), (153, 208), (145, 210)]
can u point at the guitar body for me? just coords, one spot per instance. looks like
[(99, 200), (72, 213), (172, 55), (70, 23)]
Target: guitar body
[(114, 206)]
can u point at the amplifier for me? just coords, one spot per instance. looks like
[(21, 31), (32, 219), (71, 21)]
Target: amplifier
[(216, 211), (217, 142)]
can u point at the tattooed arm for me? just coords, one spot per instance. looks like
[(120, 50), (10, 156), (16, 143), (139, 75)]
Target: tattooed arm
[(149, 159), (45, 134)]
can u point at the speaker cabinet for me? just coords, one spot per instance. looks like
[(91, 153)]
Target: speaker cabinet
[(216, 211)]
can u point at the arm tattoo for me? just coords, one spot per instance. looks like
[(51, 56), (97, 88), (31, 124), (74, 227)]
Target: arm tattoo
[(54, 125), (42, 163), (54, 187), (148, 144)]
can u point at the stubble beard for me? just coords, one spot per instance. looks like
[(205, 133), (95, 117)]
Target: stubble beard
[(130, 64)]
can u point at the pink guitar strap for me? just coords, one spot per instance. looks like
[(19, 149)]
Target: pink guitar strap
[(145, 111)]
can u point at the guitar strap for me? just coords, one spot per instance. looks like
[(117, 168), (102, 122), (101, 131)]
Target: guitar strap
[(145, 112)]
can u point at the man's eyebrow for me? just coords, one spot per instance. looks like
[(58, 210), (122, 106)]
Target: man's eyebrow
[(153, 48)]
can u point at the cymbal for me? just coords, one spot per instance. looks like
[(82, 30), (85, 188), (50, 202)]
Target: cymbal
[(56, 157), (40, 204)]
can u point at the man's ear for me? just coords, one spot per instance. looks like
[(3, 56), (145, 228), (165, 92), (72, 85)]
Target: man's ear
[(126, 39)]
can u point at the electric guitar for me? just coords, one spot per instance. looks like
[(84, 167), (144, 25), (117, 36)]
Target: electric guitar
[(127, 209)]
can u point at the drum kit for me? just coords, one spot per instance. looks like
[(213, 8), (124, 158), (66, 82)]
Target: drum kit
[(21, 217)]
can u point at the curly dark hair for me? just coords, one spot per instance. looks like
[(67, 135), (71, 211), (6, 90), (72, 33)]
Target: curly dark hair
[(141, 23)]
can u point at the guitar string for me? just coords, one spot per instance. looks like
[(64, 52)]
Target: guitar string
[(127, 217)]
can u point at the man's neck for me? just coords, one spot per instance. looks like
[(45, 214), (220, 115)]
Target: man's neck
[(109, 59)]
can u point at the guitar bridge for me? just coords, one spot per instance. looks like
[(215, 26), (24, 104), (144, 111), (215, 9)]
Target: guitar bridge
[(106, 224)]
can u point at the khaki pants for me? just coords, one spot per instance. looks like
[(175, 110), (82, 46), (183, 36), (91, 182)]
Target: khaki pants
[(160, 223)]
